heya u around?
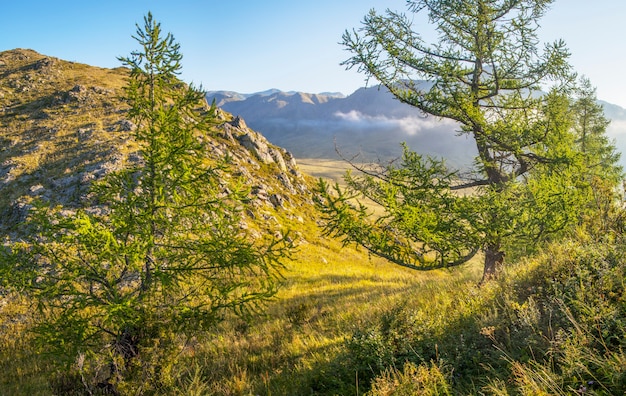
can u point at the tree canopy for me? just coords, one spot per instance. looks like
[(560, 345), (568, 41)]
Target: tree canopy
[(485, 72)]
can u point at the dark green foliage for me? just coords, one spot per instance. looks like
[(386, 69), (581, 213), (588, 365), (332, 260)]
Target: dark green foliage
[(590, 125), (484, 73), (413, 380), (421, 228)]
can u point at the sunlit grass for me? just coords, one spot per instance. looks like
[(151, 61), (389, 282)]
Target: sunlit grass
[(332, 170), (22, 371), (328, 292)]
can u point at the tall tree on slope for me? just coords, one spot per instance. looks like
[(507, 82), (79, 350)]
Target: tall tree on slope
[(168, 257), (484, 73)]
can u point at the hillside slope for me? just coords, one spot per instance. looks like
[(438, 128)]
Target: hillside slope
[(65, 125)]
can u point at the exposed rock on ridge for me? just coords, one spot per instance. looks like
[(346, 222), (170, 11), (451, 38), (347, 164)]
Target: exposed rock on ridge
[(64, 125)]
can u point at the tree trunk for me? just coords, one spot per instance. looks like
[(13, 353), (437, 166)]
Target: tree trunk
[(494, 258)]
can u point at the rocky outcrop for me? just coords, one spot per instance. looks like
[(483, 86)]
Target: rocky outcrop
[(260, 151), (65, 126), (256, 146)]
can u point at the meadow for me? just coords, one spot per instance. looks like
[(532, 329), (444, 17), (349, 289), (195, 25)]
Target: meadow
[(329, 169), (298, 346), (344, 322)]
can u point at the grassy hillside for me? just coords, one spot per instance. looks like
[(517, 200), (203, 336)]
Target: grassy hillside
[(64, 125), (551, 325), (297, 347), (344, 322)]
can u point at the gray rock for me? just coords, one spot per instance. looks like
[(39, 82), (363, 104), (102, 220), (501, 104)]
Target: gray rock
[(278, 158), (126, 126), (250, 214), (78, 89), (84, 134), (239, 123), (17, 212), (65, 181), (43, 64), (36, 190), (277, 200), (256, 146), (286, 182)]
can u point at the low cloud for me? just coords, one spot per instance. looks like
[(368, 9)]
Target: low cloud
[(410, 125), (616, 128), (374, 136)]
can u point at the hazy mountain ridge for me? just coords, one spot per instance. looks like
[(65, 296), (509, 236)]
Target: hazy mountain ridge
[(223, 97), (369, 120)]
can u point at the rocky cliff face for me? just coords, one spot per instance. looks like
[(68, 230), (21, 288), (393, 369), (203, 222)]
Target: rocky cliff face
[(64, 125)]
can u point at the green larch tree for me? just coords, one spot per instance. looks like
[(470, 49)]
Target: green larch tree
[(167, 257), (601, 167), (601, 157), (484, 72)]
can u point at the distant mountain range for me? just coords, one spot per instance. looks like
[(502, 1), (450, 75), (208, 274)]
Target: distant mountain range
[(370, 121)]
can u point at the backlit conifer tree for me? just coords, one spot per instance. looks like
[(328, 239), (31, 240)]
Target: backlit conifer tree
[(167, 257), (485, 73)]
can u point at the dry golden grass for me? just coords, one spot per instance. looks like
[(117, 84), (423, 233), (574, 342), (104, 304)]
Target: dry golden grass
[(328, 292), (332, 170), (57, 118)]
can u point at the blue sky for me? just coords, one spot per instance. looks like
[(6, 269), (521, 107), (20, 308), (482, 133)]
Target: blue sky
[(249, 46)]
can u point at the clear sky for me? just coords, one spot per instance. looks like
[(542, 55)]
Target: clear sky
[(253, 45)]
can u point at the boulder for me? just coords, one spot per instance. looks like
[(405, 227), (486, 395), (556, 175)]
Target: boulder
[(278, 159), (277, 200), (43, 64), (238, 123), (258, 147), (126, 126), (36, 190)]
